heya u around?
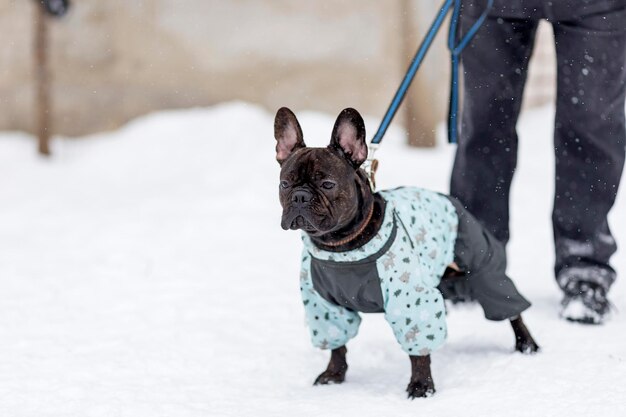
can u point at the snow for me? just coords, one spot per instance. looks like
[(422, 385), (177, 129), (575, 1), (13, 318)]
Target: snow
[(143, 272)]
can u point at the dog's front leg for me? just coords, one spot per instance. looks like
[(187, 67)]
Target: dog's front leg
[(335, 373), (524, 342), (421, 384)]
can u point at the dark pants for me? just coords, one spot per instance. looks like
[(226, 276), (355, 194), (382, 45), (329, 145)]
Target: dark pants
[(589, 134), (482, 258)]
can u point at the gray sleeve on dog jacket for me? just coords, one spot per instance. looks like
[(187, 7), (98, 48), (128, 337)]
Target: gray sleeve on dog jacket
[(483, 259)]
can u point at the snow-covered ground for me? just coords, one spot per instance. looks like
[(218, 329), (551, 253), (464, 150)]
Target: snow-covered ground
[(144, 272)]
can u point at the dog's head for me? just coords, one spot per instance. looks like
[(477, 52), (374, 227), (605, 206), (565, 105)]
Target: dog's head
[(320, 188)]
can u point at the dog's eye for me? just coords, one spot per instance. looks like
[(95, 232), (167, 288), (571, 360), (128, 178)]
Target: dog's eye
[(284, 184), (327, 185)]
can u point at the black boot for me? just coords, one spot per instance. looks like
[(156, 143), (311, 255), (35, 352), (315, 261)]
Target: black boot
[(585, 302)]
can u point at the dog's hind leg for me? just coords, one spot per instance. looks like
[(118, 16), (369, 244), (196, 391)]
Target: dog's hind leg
[(335, 373), (421, 384), (524, 342)]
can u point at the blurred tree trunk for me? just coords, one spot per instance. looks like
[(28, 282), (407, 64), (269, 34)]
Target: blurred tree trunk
[(42, 80), (423, 108)]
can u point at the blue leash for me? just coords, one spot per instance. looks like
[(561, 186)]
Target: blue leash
[(455, 52)]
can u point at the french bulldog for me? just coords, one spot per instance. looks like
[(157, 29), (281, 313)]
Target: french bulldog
[(397, 252)]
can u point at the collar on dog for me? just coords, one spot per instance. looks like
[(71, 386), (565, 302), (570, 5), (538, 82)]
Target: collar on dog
[(354, 235)]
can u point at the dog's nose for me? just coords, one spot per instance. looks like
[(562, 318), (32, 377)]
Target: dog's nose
[(301, 198)]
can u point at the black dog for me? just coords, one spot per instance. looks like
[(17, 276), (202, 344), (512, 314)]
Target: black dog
[(398, 252)]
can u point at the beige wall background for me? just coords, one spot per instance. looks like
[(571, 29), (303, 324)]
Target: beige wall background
[(114, 60)]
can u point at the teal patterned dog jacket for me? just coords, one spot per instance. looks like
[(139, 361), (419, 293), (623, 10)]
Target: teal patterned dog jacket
[(395, 273)]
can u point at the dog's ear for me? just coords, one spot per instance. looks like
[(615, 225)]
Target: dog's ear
[(288, 134), (349, 137)]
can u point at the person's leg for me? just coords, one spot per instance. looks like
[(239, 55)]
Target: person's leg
[(494, 68), (589, 143)]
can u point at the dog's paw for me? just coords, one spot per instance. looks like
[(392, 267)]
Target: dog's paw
[(420, 389), (527, 347), (330, 377)]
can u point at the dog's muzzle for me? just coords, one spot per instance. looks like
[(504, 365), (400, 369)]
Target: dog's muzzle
[(297, 219), (297, 215)]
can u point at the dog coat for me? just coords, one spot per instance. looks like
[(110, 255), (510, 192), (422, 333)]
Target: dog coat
[(395, 273)]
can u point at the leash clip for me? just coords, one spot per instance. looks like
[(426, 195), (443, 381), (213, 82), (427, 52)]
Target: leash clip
[(371, 165)]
